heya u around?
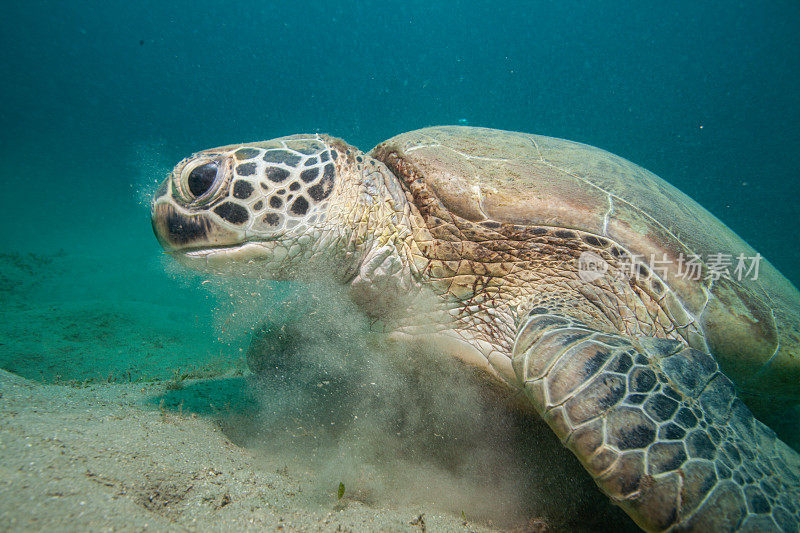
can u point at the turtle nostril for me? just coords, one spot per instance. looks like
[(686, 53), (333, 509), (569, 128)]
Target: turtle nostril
[(202, 178)]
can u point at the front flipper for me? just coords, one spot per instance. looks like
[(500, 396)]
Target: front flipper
[(659, 428)]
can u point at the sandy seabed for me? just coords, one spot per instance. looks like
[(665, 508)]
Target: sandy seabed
[(95, 459)]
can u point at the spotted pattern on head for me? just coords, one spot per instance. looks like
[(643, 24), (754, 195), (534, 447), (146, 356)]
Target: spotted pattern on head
[(285, 185), (271, 186)]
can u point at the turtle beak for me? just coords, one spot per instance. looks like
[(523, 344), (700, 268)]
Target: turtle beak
[(178, 230)]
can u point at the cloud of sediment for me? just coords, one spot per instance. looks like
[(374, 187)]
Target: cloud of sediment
[(396, 426)]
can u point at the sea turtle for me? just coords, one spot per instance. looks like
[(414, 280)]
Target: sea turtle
[(607, 297)]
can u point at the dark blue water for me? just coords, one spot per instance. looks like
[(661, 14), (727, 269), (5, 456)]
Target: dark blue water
[(703, 94)]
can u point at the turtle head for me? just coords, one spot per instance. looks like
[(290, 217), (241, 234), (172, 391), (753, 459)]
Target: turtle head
[(258, 209)]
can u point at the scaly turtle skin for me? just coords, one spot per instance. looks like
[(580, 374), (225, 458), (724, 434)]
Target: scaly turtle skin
[(557, 268)]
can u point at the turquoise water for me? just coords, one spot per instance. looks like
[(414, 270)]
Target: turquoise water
[(100, 100), (704, 95)]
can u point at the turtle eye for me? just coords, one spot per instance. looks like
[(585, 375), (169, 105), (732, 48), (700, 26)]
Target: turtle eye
[(202, 178)]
